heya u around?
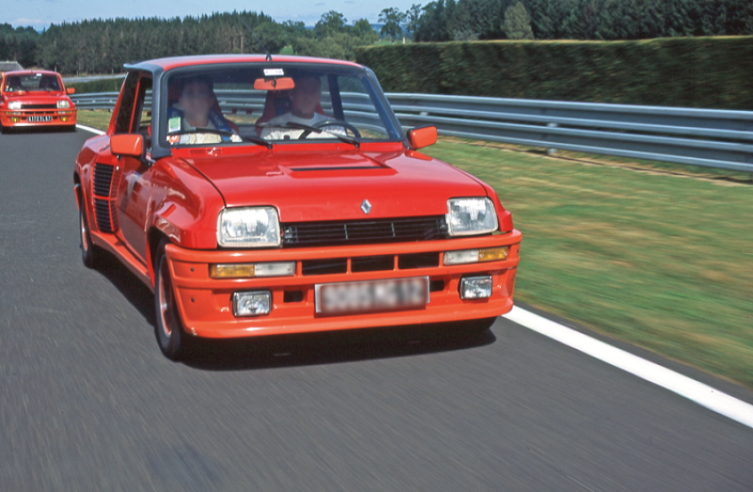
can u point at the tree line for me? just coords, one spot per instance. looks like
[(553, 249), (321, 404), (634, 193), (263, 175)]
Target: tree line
[(463, 20), (104, 45)]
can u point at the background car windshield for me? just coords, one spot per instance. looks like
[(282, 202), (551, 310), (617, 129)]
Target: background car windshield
[(38, 82), (339, 102)]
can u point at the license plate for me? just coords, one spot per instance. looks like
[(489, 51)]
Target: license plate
[(373, 295), (33, 119)]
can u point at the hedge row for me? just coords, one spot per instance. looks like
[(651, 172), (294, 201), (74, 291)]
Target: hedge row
[(707, 72), (104, 85)]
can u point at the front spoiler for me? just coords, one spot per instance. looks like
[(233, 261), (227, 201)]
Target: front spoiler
[(205, 304)]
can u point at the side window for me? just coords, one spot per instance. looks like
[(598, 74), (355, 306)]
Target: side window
[(123, 122), (142, 116)]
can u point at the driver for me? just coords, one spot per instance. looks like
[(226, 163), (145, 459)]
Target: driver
[(193, 111), (305, 98)]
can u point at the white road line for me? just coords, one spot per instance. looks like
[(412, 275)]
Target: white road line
[(684, 386), (90, 129)]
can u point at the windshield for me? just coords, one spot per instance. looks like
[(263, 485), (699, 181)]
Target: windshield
[(280, 103), (33, 82)]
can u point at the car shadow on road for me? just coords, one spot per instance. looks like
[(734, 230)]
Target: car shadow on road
[(300, 349), (129, 285), (37, 129), (333, 347)]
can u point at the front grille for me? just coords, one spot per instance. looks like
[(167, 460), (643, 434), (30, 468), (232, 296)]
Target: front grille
[(102, 179), (324, 267), (409, 229), (372, 264), (39, 106), (102, 212), (418, 260)]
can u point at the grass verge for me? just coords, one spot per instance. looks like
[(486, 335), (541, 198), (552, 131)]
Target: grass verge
[(95, 118), (658, 257)]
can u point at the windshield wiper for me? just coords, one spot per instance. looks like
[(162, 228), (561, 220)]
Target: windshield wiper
[(312, 129), (256, 140)]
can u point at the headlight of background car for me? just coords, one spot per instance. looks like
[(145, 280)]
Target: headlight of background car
[(248, 227), (14, 105), (64, 104), (469, 216)]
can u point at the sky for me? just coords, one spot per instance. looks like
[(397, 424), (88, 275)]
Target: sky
[(41, 13)]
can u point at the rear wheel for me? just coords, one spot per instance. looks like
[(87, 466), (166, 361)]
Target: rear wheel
[(168, 329), (90, 254)]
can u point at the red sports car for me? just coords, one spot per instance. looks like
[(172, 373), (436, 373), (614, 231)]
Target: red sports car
[(35, 98), (261, 197)]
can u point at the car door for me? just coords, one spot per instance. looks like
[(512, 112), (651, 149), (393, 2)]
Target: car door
[(135, 181)]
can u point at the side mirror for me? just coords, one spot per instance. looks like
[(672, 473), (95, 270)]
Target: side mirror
[(423, 136), (70, 90), (127, 145), (277, 84)]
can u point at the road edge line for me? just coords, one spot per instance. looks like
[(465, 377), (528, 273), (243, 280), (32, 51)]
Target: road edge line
[(90, 129), (689, 388)]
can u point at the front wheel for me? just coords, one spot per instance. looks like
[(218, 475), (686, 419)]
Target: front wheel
[(90, 254), (168, 329)]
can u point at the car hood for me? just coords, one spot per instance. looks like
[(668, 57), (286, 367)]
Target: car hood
[(315, 186)]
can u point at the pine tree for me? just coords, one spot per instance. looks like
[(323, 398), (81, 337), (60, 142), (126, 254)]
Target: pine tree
[(517, 23)]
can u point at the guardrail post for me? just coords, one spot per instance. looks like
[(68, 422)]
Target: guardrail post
[(551, 151)]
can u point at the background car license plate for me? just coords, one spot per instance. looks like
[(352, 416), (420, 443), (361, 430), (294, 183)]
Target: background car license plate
[(39, 118), (373, 295)]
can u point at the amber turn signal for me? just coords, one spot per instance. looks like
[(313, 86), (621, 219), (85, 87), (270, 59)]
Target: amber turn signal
[(493, 254), (248, 270), (475, 255), (239, 270)]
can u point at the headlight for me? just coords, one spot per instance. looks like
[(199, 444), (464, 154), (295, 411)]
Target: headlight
[(471, 216), (248, 227), (14, 105), (63, 104)]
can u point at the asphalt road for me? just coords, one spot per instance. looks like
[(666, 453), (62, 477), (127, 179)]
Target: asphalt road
[(87, 402)]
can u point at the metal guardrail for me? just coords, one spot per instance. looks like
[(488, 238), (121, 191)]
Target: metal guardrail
[(701, 137)]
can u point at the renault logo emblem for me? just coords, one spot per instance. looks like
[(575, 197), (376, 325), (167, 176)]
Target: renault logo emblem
[(366, 207)]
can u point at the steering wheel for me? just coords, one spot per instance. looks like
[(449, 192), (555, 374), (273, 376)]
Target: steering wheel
[(326, 123)]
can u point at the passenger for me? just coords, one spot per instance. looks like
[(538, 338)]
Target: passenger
[(194, 110), (305, 98), (13, 84)]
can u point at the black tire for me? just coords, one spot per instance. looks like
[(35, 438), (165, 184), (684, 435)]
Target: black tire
[(91, 255), (168, 329)]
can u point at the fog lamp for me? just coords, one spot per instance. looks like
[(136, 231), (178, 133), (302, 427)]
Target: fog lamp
[(246, 270), (253, 303), (14, 119), (475, 255), (63, 118), (476, 287)]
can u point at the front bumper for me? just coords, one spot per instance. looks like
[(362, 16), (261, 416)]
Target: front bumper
[(206, 307), (20, 118)]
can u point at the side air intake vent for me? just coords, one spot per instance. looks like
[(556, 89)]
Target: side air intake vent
[(105, 186), (103, 179)]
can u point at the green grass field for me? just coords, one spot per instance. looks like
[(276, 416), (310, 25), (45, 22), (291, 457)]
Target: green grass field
[(663, 260), (99, 118), (654, 254)]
